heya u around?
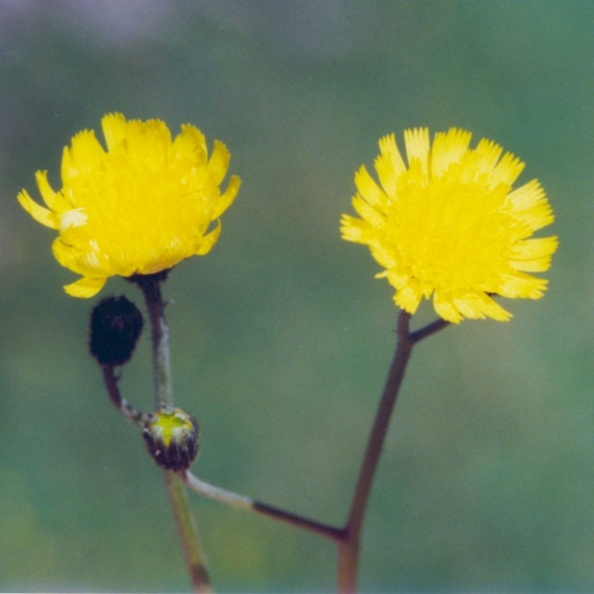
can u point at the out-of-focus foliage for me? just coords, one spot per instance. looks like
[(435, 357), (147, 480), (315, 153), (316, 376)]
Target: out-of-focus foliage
[(281, 337)]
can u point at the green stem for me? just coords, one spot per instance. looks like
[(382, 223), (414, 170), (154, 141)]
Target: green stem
[(186, 527), (188, 533)]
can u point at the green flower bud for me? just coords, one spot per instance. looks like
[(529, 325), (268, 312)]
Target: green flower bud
[(115, 326), (171, 436)]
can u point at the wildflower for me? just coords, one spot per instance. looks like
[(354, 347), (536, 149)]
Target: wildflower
[(140, 206), (449, 225)]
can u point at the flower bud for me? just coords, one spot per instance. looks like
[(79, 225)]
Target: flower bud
[(171, 436), (115, 326)]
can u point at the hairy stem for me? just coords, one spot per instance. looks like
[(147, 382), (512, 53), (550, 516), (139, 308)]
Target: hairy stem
[(186, 527), (151, 288)]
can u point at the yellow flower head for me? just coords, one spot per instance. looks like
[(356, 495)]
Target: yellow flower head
[(138, 207), (449, 225)]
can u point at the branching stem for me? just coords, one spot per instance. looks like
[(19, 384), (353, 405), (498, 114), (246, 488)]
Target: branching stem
[(184, 521), (347, 538)]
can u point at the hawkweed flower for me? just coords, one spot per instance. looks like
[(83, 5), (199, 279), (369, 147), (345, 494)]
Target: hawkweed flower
[(139, 206), (450, 226)]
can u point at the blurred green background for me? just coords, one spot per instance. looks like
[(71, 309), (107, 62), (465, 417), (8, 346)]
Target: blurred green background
[(281, 337)]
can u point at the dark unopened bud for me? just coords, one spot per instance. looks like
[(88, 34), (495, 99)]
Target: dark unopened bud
[(171, 436), (115, 326)]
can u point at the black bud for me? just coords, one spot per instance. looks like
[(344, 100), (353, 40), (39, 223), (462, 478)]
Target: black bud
[(115, 326), (171, 436)]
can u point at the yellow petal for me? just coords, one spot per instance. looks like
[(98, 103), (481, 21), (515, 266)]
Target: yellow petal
[(530, 201), (477, 305), (353, 229), (389, 164), (408, 297), (114, 129), (367, 212), (39, 213), (219, 161), (448, 147), (485, 156), (85, 287), (191, 144), (227, 198), (417, 147), (522, 286), (508, 169), (534, 255), (367, 187), (51, 198), (445, 309), (208, 241), (84, 155)]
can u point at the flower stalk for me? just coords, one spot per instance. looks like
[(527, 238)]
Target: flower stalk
[(348, 546), (188, 533), (151, 289), (348, 549), (195, 559)]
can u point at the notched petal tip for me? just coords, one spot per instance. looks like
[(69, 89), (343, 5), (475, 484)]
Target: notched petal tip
[(191, 141), (417, 146), (448, 148), (367, 187), (114, 128), (353, 229)]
